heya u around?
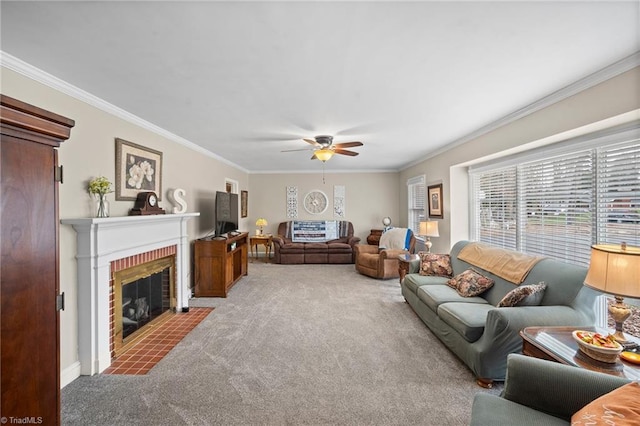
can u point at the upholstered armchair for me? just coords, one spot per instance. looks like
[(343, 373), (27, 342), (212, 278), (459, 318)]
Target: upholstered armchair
[(540, 392), (382, 261)]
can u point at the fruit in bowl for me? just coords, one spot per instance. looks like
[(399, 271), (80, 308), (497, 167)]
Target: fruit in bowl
[(598, 346)]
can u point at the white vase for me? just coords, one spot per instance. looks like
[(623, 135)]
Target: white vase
[(102, 206)]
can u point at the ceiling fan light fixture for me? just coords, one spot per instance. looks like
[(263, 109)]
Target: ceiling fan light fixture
[(324, 154)]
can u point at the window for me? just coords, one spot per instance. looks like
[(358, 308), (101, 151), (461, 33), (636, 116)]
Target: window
[(416, 194), (559, 203), (495, 207)]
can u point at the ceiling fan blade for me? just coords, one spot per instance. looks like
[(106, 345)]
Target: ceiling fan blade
[(313, 157), (300, 149), (347, 144), (311, 141), (346, 152)]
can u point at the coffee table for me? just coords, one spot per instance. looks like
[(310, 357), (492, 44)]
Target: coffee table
[(557, 344)]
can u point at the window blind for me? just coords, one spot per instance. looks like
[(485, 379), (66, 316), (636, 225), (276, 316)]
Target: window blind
[(495, 195), (555, 214), (416, 195), (618, 194)]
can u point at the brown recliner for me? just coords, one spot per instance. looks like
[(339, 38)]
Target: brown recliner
[(380, 263)]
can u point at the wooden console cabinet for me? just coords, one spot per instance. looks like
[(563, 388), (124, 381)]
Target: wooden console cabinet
[(220, 263)]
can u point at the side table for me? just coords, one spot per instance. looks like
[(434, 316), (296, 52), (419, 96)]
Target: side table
[(404, 260), (265, 240), (557, 344)]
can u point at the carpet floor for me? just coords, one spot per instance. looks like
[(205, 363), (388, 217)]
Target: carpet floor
[(291, 345)]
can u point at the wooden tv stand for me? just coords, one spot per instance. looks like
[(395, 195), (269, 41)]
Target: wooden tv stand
[(220, 263)]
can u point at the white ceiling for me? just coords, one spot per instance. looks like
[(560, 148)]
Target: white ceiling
[(246, 80)]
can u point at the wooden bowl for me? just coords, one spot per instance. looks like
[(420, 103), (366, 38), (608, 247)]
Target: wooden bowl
[(599, 353)]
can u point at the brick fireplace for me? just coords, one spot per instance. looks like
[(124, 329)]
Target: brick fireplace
[(108, 244), (156, 270)]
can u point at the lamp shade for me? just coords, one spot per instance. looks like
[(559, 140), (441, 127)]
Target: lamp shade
[(429, 229), (615, 269), (324, 154), (261, 222)]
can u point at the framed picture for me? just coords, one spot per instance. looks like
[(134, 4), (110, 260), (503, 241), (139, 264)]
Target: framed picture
[(137, 169), (434, 197), (244, 203)]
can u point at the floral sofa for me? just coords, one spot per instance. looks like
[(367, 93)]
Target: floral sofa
[(479, 326)]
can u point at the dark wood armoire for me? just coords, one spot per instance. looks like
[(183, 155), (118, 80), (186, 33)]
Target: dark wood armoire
[(29, 274)]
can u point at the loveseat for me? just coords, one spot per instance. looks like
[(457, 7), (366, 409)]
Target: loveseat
[(479, 332), (540, 392), (334, 250)]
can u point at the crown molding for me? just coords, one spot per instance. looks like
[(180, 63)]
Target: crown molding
[(585, 83), (14, 64)]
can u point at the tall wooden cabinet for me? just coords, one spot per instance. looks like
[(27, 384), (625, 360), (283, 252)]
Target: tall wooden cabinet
[(30, 328), (220, 263)]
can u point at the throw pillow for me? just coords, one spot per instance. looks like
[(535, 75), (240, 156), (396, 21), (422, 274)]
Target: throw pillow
[(471, 283), (525, 295), (620, 407), (435, 264)]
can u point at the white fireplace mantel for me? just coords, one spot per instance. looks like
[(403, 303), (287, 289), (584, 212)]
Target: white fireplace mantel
[(104, 240)]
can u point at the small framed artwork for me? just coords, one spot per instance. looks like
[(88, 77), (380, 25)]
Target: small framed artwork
[(137, 169), (244, 203), (434, 197)]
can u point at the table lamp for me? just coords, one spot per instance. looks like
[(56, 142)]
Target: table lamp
[(261, 223), (386, 222), (428, 229), (615, 269)]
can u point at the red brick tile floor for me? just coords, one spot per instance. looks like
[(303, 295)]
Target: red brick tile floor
[(145, 354)]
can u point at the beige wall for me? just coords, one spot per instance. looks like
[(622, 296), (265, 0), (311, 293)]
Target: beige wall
[(571, 116), (90, 152), (369, 197)]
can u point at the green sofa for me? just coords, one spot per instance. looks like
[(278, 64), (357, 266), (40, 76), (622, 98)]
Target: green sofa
[(481, 334), (539, 392)]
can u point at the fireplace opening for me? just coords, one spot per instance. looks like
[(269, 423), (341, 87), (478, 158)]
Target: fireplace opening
[(143, 298)]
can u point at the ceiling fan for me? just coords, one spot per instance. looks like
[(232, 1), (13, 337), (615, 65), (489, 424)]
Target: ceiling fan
[(323, 148)]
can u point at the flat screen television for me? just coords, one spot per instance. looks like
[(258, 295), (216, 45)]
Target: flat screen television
[(226, 212)]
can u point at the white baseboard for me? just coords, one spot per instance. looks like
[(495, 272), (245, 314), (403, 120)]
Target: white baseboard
[(69, 374)]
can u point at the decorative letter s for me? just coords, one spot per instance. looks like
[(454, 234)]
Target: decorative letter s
[(178, 193)]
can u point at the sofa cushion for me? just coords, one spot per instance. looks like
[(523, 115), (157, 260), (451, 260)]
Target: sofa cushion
[(316, 247), (525, 295), (435, 295), (415, 281), (337, 247), (471, 283), (468, 319), (493, 410), (435, 264), (620, 407), (292, 248)]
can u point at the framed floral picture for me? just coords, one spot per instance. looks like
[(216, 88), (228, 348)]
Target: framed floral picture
[(137, 169), (434, 199)]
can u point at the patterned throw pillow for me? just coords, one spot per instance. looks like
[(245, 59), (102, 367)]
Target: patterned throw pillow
[(620, 407), (525, 295), (470, 283), (435, 264)]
